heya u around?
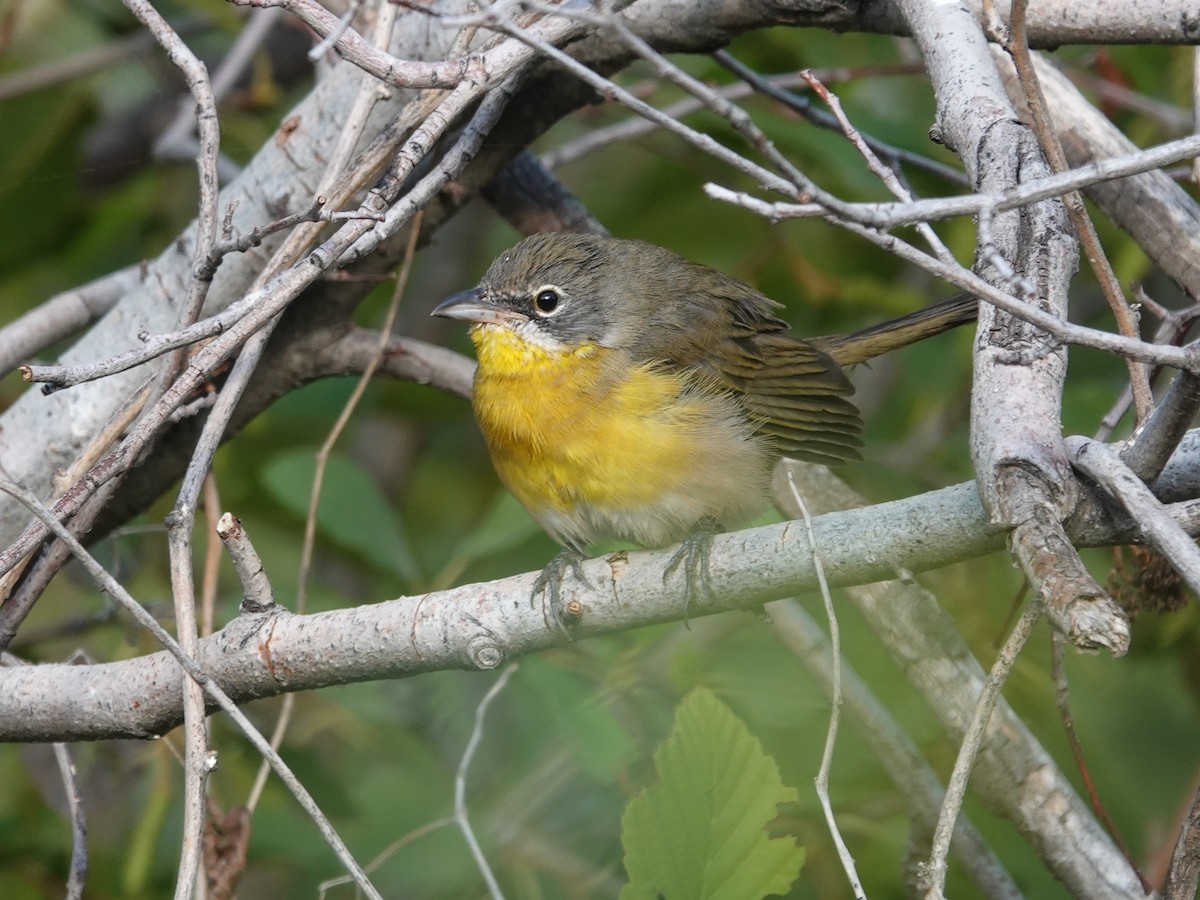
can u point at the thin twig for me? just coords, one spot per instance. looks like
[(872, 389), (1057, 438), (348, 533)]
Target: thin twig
[(348, 408), (176, 140), (79, 854), (386, 853), (701, 141), (254, 238), (892, 215), (990, 255), (776, 87), (480, 71), (454, 161), (1062, 695), (63, 315), (198, 761), (460, 783), (897, 753), (1170, 117), (142, 616), (199, 758), (1173, 328), (208, 130), (54, 378), (66, 770), (1153, 445), (737, 117), (78, 65), (934, 873), (835, 696), (1067, 332), (327, 43), (884, 173), (257, 595), (33, 574)]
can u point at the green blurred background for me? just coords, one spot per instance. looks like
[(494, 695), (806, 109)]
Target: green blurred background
[(411, 504)]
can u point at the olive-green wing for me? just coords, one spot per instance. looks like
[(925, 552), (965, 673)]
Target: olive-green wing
[(794, 392), (798, 395)]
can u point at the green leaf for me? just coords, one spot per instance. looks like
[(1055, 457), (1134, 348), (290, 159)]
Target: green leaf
[(596, 737), (701, 831), (351, 513), (505, 527)]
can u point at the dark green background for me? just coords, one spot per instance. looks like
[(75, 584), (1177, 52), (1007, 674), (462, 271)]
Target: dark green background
[(411, 504)]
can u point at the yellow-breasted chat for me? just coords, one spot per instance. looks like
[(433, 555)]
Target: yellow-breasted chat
[(626, 392)]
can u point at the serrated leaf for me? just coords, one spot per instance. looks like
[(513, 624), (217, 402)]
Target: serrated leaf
[(351, 512), (701, 831)]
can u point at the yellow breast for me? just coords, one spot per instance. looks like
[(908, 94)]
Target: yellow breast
[(596, 446)]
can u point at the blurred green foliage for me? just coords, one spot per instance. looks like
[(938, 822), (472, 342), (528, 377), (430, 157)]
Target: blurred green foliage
[(410, 504)]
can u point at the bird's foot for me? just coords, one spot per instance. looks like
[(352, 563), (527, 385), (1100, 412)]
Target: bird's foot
[(549, 585), (693, 554)]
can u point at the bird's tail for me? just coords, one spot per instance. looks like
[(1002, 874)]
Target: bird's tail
[(893, 334)]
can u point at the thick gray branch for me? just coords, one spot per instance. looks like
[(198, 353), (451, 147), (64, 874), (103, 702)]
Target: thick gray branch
[(484, 625), (1156, 211)]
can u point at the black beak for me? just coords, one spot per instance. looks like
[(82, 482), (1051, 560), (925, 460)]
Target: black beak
[(474, 306)]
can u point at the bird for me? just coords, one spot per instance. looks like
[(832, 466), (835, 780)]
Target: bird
[(625, 392)]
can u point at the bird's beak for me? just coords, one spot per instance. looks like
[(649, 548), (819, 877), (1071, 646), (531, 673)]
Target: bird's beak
[(473, 306)]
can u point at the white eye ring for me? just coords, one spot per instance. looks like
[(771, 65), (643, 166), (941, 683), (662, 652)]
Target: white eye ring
[(547, 300)]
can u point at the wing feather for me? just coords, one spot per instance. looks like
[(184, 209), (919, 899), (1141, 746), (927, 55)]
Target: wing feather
[(795, 393)]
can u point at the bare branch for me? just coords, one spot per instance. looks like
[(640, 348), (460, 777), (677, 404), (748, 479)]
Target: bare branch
[(481, 626), (62, 316), (896, 752), (460, 783), (835, 697), (1014, 775), (1107, 468), (1185, 861), (186, 664), (1158, 213), (1153, 445), (257, 596), (1052, 148), (972, 742), (1028, 192), (882, 172), (66, 769)]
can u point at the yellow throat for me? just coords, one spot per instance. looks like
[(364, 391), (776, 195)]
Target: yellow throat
[(595, 445)]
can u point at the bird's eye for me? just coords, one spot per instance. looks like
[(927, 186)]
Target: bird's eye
[(547, 300)]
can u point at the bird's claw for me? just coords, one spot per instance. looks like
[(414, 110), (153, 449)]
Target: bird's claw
[(549, 584), (693, 554)]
